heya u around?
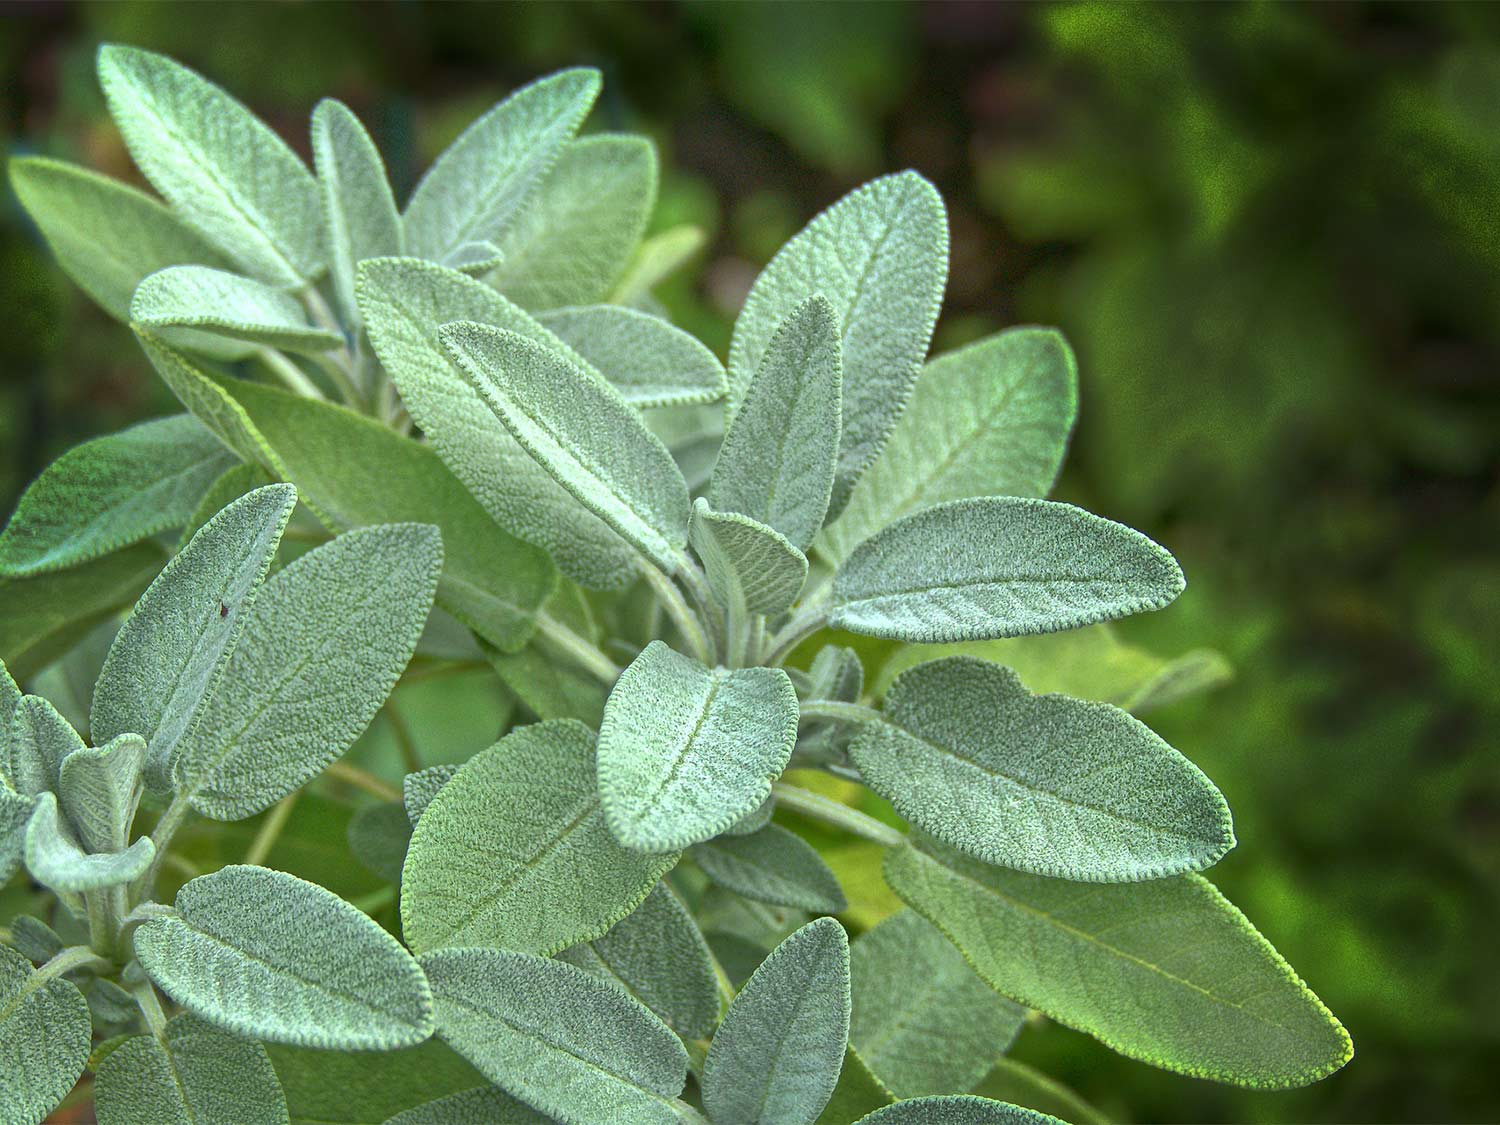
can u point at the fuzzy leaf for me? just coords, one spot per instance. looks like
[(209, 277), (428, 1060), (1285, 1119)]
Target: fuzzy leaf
[(223, 169), (576, 1048), (956, 1109), (650, 362), (773, 865), (233, 483), (1014, 1081), (1040, 783), (41, 740), (229, 305), (269, 956), (473, 191), (550, 688), (514, 851), (880, 257), (776, 1058), (98, 789), (44, 1041), (991, 419), (1167, 972), (10, 696), (999, 567), (15, 814), (198, 1077), (483, 1105), (782, 449), (751, 568), (358, 208), (54, 858), (418, 789)]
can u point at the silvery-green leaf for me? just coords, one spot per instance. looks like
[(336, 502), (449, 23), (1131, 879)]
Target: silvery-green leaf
[(99, 788), (1167, 971), (378, 835), (405, 302), (10, 695), (268, 956), (550, 688), (999, 567), (15, 814), (358, 208), (171, 650), (754, 820), (110, 492), (773, 865), (583, 432), (41, 740), (751, 568), (323, 646), (654, 260), (923, 1020), (775, 1060), (475, 258), (576, 1048), (573, 238), (418, 789), (780, 454), (197, 1077), (224, 171), (880, 257), (109, 1004), (836, 673), (649, 361), (1041, 783), (693, 435), (54, 858), (226, 304), (657, 954), (364, 1087), (956, 1109), (514, 851), (228, 487), (686, 750), (483, 1105), (991, 419), (474, 190), (44, 1040)]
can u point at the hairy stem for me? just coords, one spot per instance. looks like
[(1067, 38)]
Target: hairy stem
[(804, 623), (836, 815), (161, 837), (290, 374), (563, 641), (270, 829), (150, 1004), (65, 961), (685, 619), (838, 712)]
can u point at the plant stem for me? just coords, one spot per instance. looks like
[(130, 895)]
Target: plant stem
[(294, 377), (580, 650), (402, 733), (804, 623), (270, 829), (831, 812), (161, 836), (677, 609), (839, 712), (362, 779), (156, 1019)]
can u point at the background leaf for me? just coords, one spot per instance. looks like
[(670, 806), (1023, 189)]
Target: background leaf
[(957, 1109), (366, 1087), (647, 359), (772, 865), (44, 1040)]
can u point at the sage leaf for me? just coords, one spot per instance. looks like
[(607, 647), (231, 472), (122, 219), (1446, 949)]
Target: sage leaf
[(10, 697), (98, 789), (418, 789), (773, 865), (1014, 1081), (55, 860), (550, 688), (990, 419), (686, 750), (233, 483), (656, 258), (223, 169), (998, 567), (15, 814), (474, 190), (483, 1105), (514, 851), (782, 449), (1167, 972), (266, 955), (956, 1109), (41, 740), (572, 1046), (1041, 783), (34, 939), (199, 1076), (880, 257), (44, 1040), (775, 1060), (227, 304), (111, 492), (649, 361), (751, 568)]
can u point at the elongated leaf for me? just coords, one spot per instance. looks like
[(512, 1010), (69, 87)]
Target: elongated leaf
[(228, 305), (15, 814), (775, 1060), (198, 1077), (880, 257), (654, 260), (99, 788), (223, 170), (405, 302), (348, 1088), (1041, 783), (268, 956), (649, 361), (583, 432), (111, 492), (573, 239), (378, 836), (550, 688), (999, 567), (54, 858), (483, 1105), (576, 1048), (686, 750), (230, 486), (10, 696), (1168, 972), (772, 865), (991, 419), (514, 851), (956, 1109), (751, 568), (474, 190), (44, 1040), (358, 208), (41, 740), (782, 449)]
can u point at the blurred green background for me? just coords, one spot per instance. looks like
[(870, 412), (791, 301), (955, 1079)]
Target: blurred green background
[(1272, 233)]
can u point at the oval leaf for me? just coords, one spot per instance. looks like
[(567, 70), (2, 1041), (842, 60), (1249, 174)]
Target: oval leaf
[(648, 360), (358, 207), (772, 865), (956, 1109), (44, 1040), (198, 1077), (228, 305)]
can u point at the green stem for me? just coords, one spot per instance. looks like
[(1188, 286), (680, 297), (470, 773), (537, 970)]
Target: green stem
[(150, 1004), (402, 733), (270, 829), (362, 779), (161, 836), (677, 609), (835, 814), (856, 713), (294, 377), (101, 924), (563, 641), (804, 623), (339, 373)]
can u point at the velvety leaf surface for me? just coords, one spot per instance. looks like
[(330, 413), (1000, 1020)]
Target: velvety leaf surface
[(483, 1105), (44, 1041), (956, 1109), (98, 790), (358, 208), (228, 305), (55, 860), (198, 1077), (41, 740), (773, 865), (418, 789), (648, 360), (656, 257), (751, 568), (15, 814)]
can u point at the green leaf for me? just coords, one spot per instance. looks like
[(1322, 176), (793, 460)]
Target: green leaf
[(859, 1092), (44, 1040), (323, 646), (197, 1077), (365, 1088), (880, 257), (654, 260), (15, 814), (583, 432), (923, 1020), (474, 190), (173, 647), (991, 419), (41, 740), (1167, 972), (55, 860), (34, 939), (782, 449), (776, 1058), (1015, 1082), (418, 789), (576, 1048), (98, 789), (657, 955), (268, 956), (483, 1105), (1040, 783), (358, 208), (10, 696), (514, 851), (111, 492), (224, 171), (773, 865), (228, 305), (956, 1109), (405, 303), (999, 567), (751, 568), (649, 361), (233, 483), (550, 688), (110, 1005), (378, 836), (574, 238), (685, 750)]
